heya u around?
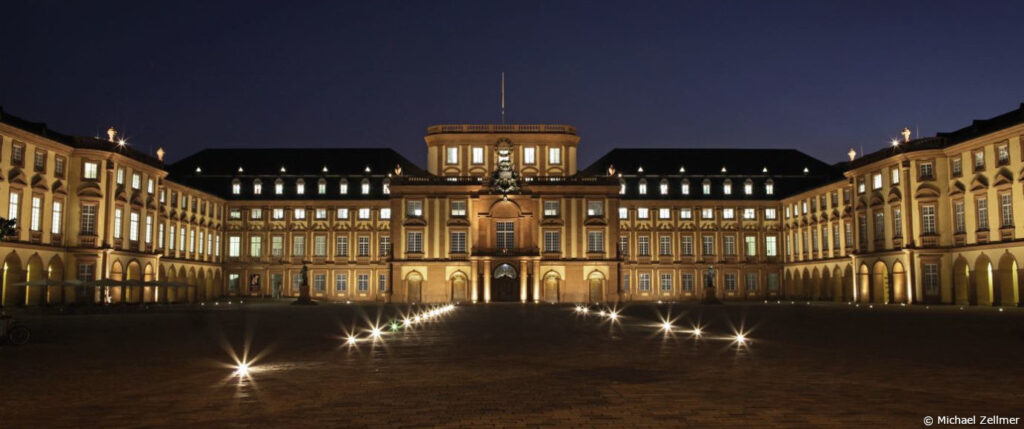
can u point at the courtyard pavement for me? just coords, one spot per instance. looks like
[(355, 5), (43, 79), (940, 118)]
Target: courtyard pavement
[(500, 365)]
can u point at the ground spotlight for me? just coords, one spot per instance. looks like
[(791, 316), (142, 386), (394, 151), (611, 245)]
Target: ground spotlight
[(666, 326), (242, 370), (351, 340)]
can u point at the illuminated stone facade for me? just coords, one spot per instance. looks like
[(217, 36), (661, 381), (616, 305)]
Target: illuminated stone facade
[(504, 213)]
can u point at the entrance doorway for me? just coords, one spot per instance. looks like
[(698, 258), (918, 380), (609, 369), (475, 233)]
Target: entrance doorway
[(505, 284)]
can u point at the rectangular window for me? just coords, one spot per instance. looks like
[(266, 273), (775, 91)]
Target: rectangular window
[(551, 208), (320, 246), (40, 161), (181, 235), (414, 208), (414, 242), (554, 155), (1006, 210), (299, 245), (458, 242), (664, 213), (749, 214), (552, 241), (320, 214), (686, 245), (87, 272), (529, 155), (160, 236), (928, 219), (982, 205), (824, 237), (751, 244), (278, 214), (979, 160), (342, 214), (862, 230), (686, 214), (255, 213), (623, 213), (382, 283), (894, 176), (277, 246), (255, 246), (771, 247), (321, 188), (959, 226), (835, 236), (707, 213), (36, 218), (729, 245), (58, 166), (478, 155), (149, 229), (58, 217), (363, 246), (709, 245), (459, 208), (728, 213), (341, 246), (385, 213), (645, 282), (364, 213), (643, 245), (299, 214), (666, 282), (452, 156), (319, 283), (879, 226), (876, 181), (505, 235), (773, 281), (341, 283), (1003, 154), (625, 282), (687, 282), (595, 242), (136, 181), (18, 154), (234, 246), (665, 245), (897, 222), (623, 245), (730, 281), (363, 283), (751, 282), (235, 214), (643, 213), (595, 208), (118, 218), (930, 276), (384, 245)]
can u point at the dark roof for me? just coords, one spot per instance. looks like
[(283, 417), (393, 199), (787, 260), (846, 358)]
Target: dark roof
[(40, 129), (785, 169), (978, 128), (219, 168)]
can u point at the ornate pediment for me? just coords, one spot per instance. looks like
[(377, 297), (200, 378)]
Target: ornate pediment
[(504, 180)]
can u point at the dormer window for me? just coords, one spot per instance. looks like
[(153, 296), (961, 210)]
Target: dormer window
[(364, 187), (727, 187), (300, 187), (321, 186), (706, 187), (643, 187), (236, 187), (663, 187), (343, 187), (279, 187), (685, 187), (622, 187), (257, 187), (748, 187), (386, 187), (769, 187)]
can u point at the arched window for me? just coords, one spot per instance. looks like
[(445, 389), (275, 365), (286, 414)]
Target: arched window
[(727, 187), (257, 187), (685, 187), (643, 186), (622, 187), (706, 187), (321, 186), (663, 186), (343, 187), (769, 187), (300, 186), (748, 187), (236, 187), (279, 187), (365, 187)]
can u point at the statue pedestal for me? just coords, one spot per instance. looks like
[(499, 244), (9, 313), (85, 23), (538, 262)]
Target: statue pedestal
[(304, 298), (709, 297)]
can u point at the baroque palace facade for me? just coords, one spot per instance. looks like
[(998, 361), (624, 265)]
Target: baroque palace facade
[(504, 213)]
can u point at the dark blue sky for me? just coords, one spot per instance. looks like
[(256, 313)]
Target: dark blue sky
[(819, 76)]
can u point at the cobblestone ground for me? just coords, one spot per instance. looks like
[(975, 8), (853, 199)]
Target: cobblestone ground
[(515, 365)]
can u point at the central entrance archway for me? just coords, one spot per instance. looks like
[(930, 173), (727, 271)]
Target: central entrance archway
[(505, 284)]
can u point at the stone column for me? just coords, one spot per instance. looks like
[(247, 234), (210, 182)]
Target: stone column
[(536, 281), (487, 281), (474, 281), (522, 280)]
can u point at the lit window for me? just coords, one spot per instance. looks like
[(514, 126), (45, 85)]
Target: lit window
[(595, 208), (707, 213), (623, 213), (91, 170), (643, 187), (727, 187), (57, 219), (770, 213), (385, 213), (365, 187), (300, 187), (299, 214), (279, 187), (120, 175), (458, 208), (453, 155), (706, 187), (478, 155), (664, 213), (386, 187), (979, 160), (343, 187), (894, 176), (876, 181), (414, 208), (321, 187), (117, 218), (257, 187), (234, 246), (622, 187), (529, 155), (235, 214), (255, 213), (748, 188), (342, 213), (550, 208), (769, 188), (686, 213), (150, 186), (554, 155), (136, 181), (364, 213), (320, 214), (36, 223), (686, 187), (133, 226), (642, 213), (663, 187), (278, 213), (749, 214), (236, 187), (728, 213)]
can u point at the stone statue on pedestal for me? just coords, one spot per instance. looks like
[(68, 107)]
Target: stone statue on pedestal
[(304, 298), (710, 295)]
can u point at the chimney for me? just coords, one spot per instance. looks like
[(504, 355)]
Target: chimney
[(906, 134), (111, 133)]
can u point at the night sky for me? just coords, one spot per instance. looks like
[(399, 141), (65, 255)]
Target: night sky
[(816, 76)]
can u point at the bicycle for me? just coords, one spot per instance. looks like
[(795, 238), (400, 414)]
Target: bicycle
[(12, 331)]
